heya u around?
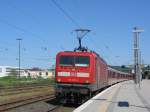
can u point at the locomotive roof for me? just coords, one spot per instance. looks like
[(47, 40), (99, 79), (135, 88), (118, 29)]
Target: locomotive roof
[(109, 68), (89, 51), (99, 56)]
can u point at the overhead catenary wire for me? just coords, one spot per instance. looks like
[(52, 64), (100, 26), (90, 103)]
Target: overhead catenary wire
[(29, 58), (34, 18), (39, 37), (23, 12), (65, 13), (43, 48), (102, 52), (68, 16), (22, 30)]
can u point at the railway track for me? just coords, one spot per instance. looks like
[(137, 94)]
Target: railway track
[(18, 103), (61, 106), (11, 91), (62, 109), (23, 87)]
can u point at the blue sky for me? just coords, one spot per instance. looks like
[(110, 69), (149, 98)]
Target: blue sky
[(45, 30)]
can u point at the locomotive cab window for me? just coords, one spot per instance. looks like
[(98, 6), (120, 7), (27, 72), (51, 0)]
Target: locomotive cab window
[(82, 61), (66, 60)]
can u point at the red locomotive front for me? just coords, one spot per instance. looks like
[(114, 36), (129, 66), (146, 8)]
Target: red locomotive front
[(74, 67), (79, 74), (75, 73)]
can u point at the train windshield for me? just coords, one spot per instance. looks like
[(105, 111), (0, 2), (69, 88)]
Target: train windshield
[(66, 60), (82, 61)]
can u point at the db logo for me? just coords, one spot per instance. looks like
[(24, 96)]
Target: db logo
[(73, 74)]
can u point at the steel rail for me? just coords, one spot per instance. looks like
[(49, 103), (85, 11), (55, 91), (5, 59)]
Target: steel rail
[(25, 101)]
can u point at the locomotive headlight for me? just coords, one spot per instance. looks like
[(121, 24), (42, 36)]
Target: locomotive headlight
[(87, 81), (59, 80)]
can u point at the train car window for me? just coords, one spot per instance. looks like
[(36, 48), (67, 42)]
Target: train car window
[(82, 61), (66, 60)]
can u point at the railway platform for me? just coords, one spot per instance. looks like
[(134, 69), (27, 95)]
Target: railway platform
[(122, 97)]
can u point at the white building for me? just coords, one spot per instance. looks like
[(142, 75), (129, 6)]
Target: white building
[(33, 73), (6, 70), (39, 73)]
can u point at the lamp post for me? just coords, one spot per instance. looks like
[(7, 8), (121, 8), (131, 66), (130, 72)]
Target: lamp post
[(136, 49), (19, 56)]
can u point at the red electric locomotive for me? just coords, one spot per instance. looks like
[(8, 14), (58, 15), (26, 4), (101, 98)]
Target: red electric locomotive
[(81, 72)]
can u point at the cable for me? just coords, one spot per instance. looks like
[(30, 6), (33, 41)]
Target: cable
[(35, 19), (65, 13), (24, 31), (23, 12), (102, 52), (21, 29)]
